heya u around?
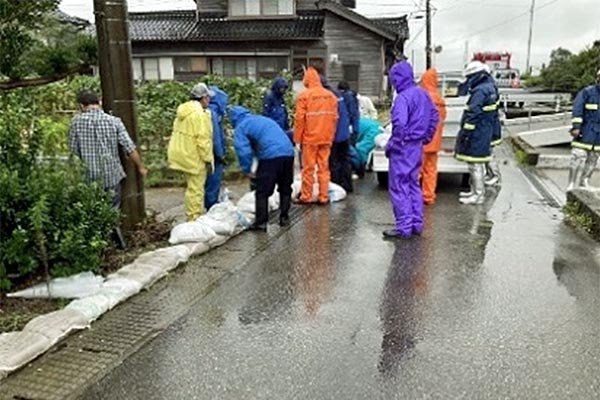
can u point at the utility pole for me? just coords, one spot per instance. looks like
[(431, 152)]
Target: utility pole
[(118, 94), (531, 12), (428, 49)]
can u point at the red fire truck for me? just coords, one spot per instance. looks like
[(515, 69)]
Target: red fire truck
[(499, 63)]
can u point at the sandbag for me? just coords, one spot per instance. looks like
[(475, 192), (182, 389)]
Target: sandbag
[(222, 218), (167, 258), (19, 348), (218, 241), (72, 287), (247, 204), (191, 232), (58, 324), (197, 249), (144, 274), (382, 139), (119, 289), (336, 192), (91, 307)]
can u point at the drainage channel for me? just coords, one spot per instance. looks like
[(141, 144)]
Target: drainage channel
[(80, 361)]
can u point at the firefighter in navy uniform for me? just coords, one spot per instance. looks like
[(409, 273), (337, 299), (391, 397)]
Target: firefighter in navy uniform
[(478, 124), (586, 135)]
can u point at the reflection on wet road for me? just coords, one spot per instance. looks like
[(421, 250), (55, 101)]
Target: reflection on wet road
[(497, 301)]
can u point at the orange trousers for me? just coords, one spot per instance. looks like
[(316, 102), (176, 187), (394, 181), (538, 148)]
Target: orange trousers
[(429, 175), (315, 156)]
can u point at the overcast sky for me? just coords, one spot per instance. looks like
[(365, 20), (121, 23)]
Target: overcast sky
[(488, 25)]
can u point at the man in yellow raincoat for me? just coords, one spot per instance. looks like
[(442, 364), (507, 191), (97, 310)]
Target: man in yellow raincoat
[(191, 147)]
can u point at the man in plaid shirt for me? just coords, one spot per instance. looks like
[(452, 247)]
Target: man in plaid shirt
[(95, 137)]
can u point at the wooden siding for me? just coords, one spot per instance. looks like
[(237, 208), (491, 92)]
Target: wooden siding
[(353, 45)]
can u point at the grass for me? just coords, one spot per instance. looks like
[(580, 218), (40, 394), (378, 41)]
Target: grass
[(576, 217)]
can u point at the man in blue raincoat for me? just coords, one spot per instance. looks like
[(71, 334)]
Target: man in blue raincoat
[(217, 106), (260, 137), (351, 101), (339, 161), (274, 106)]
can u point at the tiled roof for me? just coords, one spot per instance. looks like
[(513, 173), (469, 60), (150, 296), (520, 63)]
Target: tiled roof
[(398, 25), (182, 26)]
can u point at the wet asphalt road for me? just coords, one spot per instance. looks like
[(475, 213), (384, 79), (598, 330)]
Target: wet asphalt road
[(498, 301)]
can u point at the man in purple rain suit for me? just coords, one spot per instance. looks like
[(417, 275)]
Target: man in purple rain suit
[(414, 119)]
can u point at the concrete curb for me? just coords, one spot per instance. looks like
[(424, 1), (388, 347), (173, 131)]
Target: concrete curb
[(530, 154), (583, 209)]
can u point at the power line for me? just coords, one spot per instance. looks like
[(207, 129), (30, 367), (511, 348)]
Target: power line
[(502, 23)]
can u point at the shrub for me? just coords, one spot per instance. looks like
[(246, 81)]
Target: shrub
[(50, 219)]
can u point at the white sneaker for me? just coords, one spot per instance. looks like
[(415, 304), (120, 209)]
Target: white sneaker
[(465, 194), (472, 200)]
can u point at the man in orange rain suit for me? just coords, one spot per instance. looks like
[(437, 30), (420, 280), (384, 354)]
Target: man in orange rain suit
[(429, 82), (315, 123)]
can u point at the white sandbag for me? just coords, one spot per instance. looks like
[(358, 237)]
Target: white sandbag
[(73, 287), (91, 307), (382, 139), (191, 232), (19, 348), (218, 241), (222, 218), (144, 274), (336, 192), (197, 249), (247, 204), (167, 258), (245, 219), (119, 289), (58, 324)]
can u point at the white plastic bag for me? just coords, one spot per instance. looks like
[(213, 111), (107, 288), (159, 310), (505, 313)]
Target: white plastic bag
[(73, 287), (191, 232), (382, 139), (336, 192)]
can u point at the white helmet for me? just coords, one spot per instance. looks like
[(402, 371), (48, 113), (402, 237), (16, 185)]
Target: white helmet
[(473, 68)]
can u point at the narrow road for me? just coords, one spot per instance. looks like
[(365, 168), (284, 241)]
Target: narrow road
[(497, 301)]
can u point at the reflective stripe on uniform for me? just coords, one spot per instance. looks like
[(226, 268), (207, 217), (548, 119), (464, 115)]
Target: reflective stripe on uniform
[(490, 107), (496, 142), (591, 106), (585, 146), (469, 127), (471, 159), (577, 120)]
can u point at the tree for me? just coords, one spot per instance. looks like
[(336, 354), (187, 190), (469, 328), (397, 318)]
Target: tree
[(568, 72), (37, 46)]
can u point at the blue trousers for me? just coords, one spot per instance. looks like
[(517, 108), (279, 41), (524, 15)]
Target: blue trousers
[(212, 188)]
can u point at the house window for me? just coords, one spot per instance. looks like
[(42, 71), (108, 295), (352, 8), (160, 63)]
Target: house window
[(251, 8), (352, 75), (249, 67), (190, 64), (152, 68)]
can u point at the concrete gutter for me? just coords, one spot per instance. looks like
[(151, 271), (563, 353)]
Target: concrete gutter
[(583, 210), (526, 154)]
